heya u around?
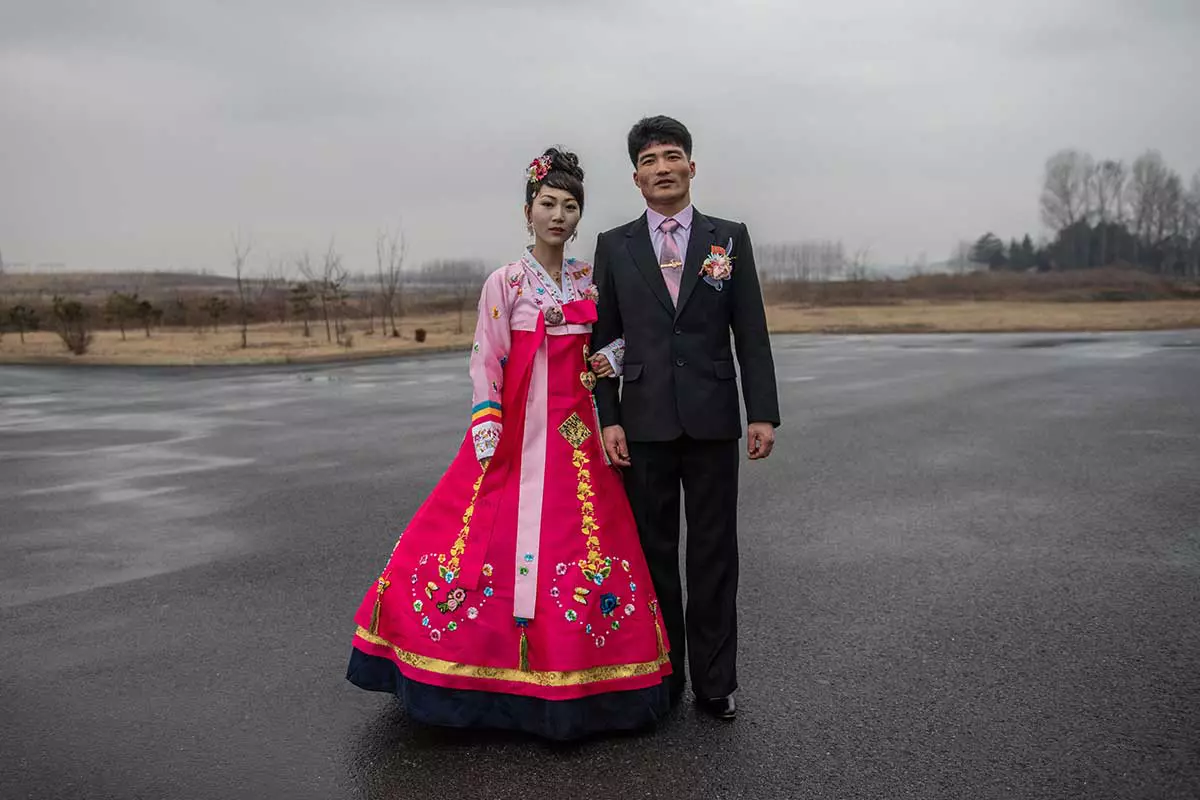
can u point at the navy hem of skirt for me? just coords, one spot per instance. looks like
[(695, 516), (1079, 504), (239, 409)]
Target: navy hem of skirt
[(552, 719)]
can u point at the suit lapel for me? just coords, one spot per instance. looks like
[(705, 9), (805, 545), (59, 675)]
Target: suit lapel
[(641, 250), (699, 246)]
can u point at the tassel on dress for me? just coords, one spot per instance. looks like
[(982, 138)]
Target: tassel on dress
[(383, 583)]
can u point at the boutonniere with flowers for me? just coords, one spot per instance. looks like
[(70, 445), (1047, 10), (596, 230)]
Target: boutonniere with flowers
[(717, 268)]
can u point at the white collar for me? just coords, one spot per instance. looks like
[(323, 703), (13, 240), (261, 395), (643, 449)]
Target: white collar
[(561, 293)]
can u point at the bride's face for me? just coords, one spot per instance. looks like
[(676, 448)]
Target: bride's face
[(554, 215)]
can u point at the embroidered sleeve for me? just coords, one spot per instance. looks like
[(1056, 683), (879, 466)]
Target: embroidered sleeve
[(488, 357), (615, 353)]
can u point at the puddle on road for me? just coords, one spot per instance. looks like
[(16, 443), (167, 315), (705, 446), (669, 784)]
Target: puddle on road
[(1034, 344)]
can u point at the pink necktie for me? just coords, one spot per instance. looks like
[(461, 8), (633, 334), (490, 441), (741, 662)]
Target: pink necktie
[(669, 260)]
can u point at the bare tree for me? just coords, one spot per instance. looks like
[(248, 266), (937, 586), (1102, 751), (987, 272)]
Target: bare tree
[(1168, 207), (920, 265), (1065, 190), (389, 258), (329, 280), (1191, 226), (241, 249), (74, 327), (461, 278), (317, 285), (1147, 180), (120, 308), (811, 260), (1108, 196), (23, 318), (858, 269), (148, 315), (215, 307), (960, 262), (271, 289), (301, 298)]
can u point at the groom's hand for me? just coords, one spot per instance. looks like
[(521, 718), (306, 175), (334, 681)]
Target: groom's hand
[(760, 440), (615, 445)]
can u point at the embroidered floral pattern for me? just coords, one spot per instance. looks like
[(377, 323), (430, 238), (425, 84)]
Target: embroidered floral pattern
[(595, 564), (486, 438), (445, 605), (575, 602), (460, 544), (609, 603), (453, 600), (442, 595)]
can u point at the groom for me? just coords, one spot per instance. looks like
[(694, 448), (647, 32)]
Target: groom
[(674, 283)]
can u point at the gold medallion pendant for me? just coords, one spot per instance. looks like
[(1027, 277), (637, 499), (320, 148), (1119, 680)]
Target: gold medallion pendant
[(588, 379)]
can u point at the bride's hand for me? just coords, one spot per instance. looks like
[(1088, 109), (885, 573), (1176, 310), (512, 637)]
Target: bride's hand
[(601, 367)]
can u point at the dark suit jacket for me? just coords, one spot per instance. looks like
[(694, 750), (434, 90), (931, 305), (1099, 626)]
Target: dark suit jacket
[(679, 373)]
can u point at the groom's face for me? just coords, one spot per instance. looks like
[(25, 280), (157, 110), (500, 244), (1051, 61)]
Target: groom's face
[(664, 174)]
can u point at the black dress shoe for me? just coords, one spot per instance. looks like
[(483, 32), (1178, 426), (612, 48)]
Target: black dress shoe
[(719, 707)]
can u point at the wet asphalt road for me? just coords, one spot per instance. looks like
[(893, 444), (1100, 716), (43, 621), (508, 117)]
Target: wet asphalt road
[(971, 570)]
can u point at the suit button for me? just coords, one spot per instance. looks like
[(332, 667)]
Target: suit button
[(679, 362), (678, 331)]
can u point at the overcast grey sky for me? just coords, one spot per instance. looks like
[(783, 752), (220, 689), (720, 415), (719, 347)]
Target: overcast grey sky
[(140, 133)]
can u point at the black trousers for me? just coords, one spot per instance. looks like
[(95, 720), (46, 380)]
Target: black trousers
[(707, 471)]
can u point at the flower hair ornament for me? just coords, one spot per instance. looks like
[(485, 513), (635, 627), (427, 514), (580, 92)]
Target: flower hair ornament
[(539, 168)]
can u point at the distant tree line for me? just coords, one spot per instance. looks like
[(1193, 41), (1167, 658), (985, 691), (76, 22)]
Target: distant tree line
[(1107, 213), (319, 295)]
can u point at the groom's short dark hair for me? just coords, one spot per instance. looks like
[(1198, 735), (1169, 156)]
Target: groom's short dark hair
[(658, 130)]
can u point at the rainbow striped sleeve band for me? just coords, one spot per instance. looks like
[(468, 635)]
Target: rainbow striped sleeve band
[(488, 409)]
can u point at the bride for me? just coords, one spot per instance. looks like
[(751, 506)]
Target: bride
[(518, 596)]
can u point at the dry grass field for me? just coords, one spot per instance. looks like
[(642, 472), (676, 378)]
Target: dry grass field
[(267, 344), (985, 317), (274, 343)]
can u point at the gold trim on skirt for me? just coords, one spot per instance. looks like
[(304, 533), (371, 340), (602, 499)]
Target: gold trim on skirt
[(569, 678)]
